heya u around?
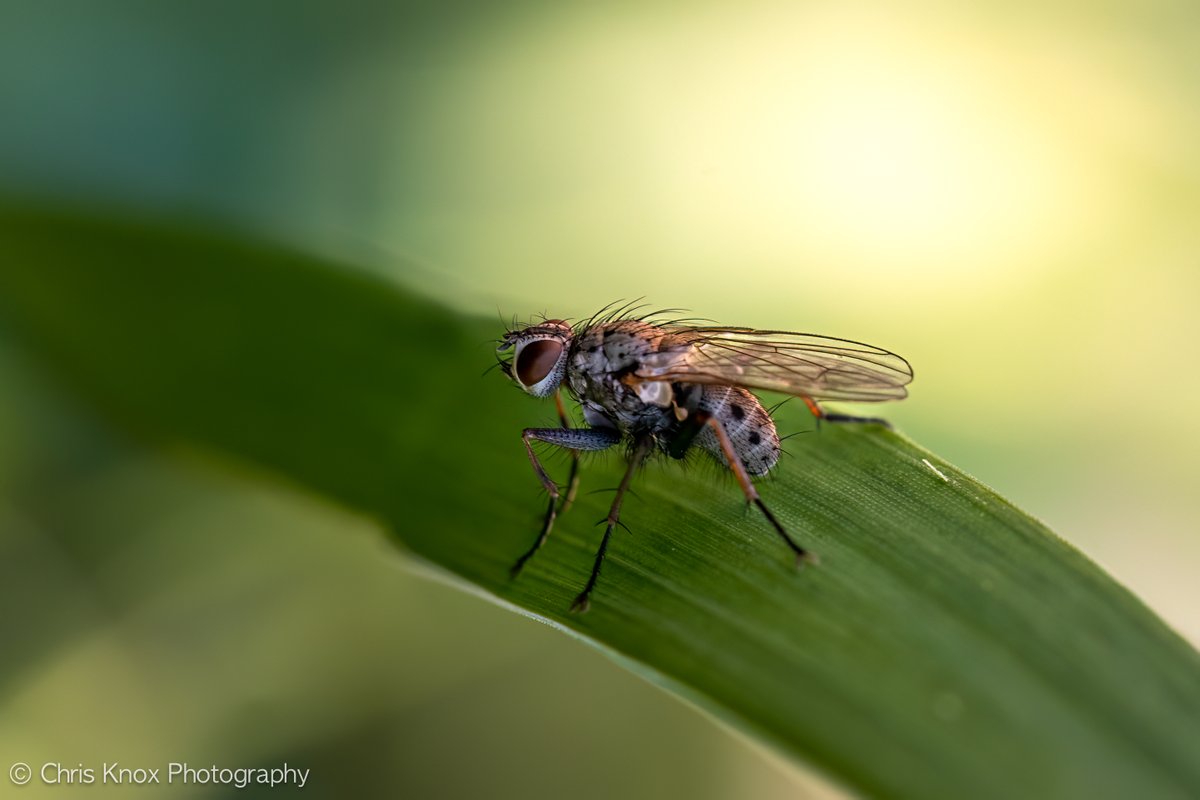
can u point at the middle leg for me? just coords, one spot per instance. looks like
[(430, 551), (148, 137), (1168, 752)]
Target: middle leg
[(640, 450)]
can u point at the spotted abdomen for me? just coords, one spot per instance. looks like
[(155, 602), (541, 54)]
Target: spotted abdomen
[(748, 424)]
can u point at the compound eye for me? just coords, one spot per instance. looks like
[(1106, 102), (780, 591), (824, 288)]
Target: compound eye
[(536, 360)]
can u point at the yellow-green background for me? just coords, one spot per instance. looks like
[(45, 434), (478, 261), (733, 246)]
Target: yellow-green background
[(1008, 194)]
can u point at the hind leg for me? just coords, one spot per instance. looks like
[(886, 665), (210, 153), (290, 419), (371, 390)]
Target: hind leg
[(743, 477), (839, 419)]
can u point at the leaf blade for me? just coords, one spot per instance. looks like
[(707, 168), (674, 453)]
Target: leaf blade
[(948, 645)]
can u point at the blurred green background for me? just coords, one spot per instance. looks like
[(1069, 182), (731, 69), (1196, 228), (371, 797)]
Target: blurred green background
[(1007, 194)]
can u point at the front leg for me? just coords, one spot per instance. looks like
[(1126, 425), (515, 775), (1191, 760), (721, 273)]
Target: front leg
[(573, 439), (573, 478)]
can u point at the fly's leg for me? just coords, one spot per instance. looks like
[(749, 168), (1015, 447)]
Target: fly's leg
[(574, 439), (839, 419), (640, 450), (743, 477), (573, 478)]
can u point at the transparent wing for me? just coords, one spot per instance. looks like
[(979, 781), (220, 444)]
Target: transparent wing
[(821, 367)]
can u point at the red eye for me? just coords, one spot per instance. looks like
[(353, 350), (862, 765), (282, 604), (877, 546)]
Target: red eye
[(536, 360)]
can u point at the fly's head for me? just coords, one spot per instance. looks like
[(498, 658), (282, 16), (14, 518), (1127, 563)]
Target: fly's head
[(539, 356)]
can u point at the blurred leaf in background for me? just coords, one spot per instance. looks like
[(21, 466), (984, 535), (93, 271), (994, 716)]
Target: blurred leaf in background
[(1006, 194)]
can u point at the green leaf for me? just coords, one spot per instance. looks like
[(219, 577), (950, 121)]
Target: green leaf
[(947, 646)]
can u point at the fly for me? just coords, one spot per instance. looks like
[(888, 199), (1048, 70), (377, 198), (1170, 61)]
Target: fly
[(672, 386)]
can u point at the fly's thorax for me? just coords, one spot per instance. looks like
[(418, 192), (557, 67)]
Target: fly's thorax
[(750, 427), (603, 356), (614, 346)]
